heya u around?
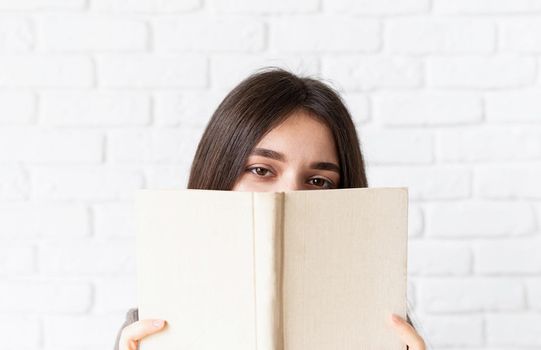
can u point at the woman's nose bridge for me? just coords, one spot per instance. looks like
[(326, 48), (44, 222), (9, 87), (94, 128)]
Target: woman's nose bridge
[(291, 182)]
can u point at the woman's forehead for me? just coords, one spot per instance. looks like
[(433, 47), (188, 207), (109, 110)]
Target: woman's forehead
[(301, 137)]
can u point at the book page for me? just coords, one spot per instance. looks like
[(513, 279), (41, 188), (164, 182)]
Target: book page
[(344, 268), (195, 268)]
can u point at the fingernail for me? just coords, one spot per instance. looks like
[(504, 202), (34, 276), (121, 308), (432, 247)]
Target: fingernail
[(157, 323), (395, 318)]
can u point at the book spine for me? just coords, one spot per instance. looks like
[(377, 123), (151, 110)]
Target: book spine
[(268, 240)]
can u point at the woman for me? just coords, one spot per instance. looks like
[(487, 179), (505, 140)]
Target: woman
[(275, 131)]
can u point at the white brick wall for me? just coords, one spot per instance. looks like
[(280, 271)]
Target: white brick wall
[(102, 97)]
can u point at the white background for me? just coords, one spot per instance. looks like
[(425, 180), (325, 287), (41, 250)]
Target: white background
[(101, 97)]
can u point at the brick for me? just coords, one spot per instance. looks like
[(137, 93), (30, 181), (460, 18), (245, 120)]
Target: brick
[(424, 182), (415, 220), (433, 257), (17, 258), (168, 176), (14, 183), (16, 35), (508, 181), (186, 109), (28, 220), (208, 34), (426, 35), (72, 108), (145, 6), (383, 146), (375, 7), (113, 294), (508, 256), (20, 331), (94, 331), (319, 34), (489, 143), (85, 182), (518, 329), (261, 6), (478, 218), (470, 294), (78, 257), (452, 330), (370, 72), (18, 107), (481, 72), (46, 71), (227, 70), (113, 219), (520, 35), (538, 211), (153, 145), (427, 108), (483, 7), (358, 106), (90, 33), (533, 291), (47, 146), (42, 5), (26, 296), (513, 106), (152, 71)]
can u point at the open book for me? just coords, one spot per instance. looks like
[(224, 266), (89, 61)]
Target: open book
[(296, 270)]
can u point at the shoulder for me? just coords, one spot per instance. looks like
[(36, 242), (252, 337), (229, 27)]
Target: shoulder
[(132, 315)]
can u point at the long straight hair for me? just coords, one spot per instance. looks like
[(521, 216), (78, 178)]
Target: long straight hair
[(253, 108)]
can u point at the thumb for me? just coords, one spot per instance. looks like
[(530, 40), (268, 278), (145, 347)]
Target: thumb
[(140, 329)]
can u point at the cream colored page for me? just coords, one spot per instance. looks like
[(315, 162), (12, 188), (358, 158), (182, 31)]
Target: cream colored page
[(195, 268), (344, 268)]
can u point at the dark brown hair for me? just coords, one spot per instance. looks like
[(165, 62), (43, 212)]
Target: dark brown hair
[(254, 107)]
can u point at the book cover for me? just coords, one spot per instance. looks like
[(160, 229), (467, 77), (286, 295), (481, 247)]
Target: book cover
[(295, 270)]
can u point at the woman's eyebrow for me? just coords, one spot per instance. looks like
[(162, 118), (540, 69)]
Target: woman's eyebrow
[(325, 166), (264, 152), (268, 153)]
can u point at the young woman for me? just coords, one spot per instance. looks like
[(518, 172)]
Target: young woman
[(275, 131)]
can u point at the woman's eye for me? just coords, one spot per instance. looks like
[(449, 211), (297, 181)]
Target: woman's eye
[(319, 182), (260, 171), (322, 181)]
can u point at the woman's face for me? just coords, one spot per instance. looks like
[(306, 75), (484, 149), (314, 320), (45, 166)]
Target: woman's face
[(298, 154)]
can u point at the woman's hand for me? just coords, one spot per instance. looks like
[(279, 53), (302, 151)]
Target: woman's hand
[(132, 333), (407, 333)]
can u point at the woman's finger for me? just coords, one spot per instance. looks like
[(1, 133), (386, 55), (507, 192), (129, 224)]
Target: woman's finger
[(136, 331), (407, 333)]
